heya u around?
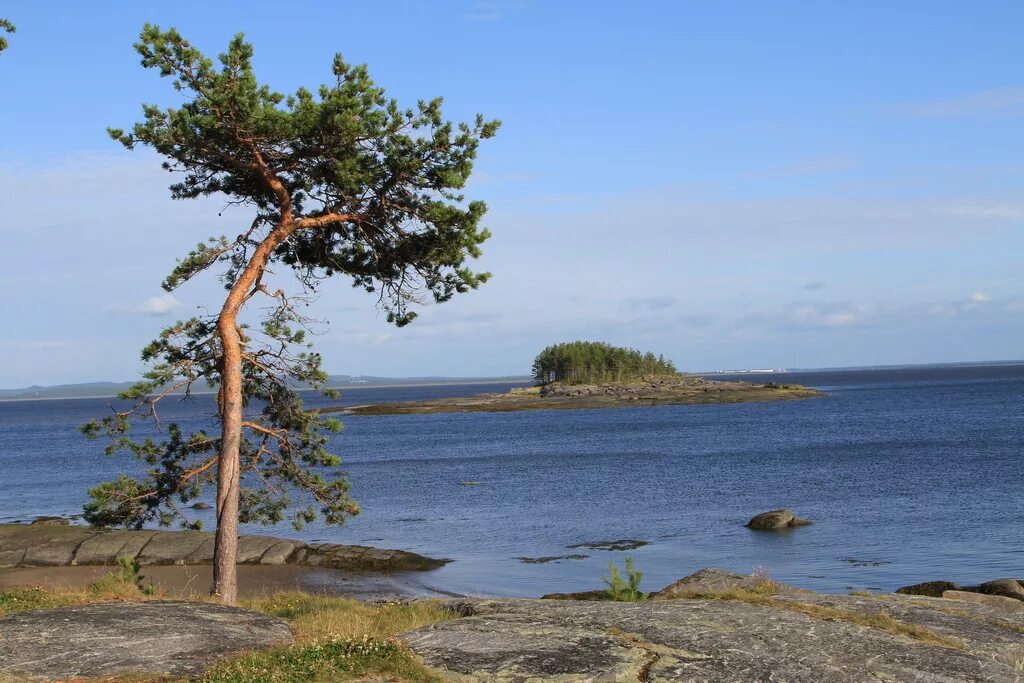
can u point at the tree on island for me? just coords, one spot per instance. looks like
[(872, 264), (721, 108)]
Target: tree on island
[(342, 182), (5, 27), (582, 362)]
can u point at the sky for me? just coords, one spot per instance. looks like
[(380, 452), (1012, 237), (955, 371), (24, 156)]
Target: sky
[(730, 184)]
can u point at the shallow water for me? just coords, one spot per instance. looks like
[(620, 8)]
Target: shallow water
[(909, 474)]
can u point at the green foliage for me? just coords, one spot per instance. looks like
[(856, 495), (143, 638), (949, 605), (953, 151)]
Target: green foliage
[(374, 187), (582, 362), (341, 181), (624, 590), (334, 659), (5, 26)]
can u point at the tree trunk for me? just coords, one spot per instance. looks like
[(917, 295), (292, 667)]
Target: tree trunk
[(225, 548)]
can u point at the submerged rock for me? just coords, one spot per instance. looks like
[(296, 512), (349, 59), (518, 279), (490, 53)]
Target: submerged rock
[(550, 558), (776, 519), (621, 544), (108, 639)]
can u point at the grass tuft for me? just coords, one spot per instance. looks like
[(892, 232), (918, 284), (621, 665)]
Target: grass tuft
[(323, 661)]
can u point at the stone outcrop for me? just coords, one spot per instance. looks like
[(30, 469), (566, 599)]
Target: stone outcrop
[(794, 636), (107, 639), (776, 519), (713, 580), (1003, 604), (931, 589), (24, 545), (1006, 588)]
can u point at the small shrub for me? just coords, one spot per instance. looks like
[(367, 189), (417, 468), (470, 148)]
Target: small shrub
[(125, 582), (624, 590)]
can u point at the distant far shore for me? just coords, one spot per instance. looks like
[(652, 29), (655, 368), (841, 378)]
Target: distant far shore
[(54, 393), (95, 390)]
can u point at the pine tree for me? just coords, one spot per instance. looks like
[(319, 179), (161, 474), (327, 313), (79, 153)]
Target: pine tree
[(341, 181)]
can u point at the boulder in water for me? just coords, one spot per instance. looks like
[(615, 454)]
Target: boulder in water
[(776, 519)]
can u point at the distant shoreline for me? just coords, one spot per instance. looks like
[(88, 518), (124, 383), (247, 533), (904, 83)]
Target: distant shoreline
[(454, 381), (383, 383)]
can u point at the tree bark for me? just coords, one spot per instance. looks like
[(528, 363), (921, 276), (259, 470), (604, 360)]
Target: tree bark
[(225, 545), (225, 548)]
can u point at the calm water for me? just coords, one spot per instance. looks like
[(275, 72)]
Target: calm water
[(909, 474)]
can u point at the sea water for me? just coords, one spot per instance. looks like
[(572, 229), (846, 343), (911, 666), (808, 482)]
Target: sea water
[(909, 474)]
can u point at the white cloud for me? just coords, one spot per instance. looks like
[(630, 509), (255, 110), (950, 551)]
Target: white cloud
[(153, 306), (158, 305)]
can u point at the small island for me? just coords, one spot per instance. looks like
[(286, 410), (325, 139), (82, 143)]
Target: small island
[(585, 375)]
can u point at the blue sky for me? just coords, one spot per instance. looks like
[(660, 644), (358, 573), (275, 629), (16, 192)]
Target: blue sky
[(732, 184)]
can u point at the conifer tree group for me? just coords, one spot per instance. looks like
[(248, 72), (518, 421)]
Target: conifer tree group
[(584, 362)]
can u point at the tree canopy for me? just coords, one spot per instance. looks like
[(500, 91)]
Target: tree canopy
[(585, 362), (341, 181)]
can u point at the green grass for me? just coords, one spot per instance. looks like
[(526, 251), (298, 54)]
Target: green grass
[(322, 661)]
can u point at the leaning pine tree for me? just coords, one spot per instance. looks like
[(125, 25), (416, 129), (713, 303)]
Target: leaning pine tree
[(342, 182)]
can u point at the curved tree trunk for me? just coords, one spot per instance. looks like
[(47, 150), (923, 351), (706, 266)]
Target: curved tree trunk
[(225, 549)]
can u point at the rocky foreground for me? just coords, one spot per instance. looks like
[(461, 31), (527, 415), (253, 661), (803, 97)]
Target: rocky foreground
[(683, 390), (716, 626), (55, 544)]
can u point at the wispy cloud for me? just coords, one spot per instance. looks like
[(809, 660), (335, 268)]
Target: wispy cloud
[(825, 315), (154, 306), (492, 10), (650, 303), (998, 102), (35, 345), (817, 165)]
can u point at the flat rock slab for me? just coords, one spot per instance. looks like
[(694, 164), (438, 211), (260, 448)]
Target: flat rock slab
[(709, 641), (45, 545), (107, 639)]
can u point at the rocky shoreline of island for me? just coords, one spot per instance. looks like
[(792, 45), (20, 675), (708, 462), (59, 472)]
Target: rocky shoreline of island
[(683, 390)]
